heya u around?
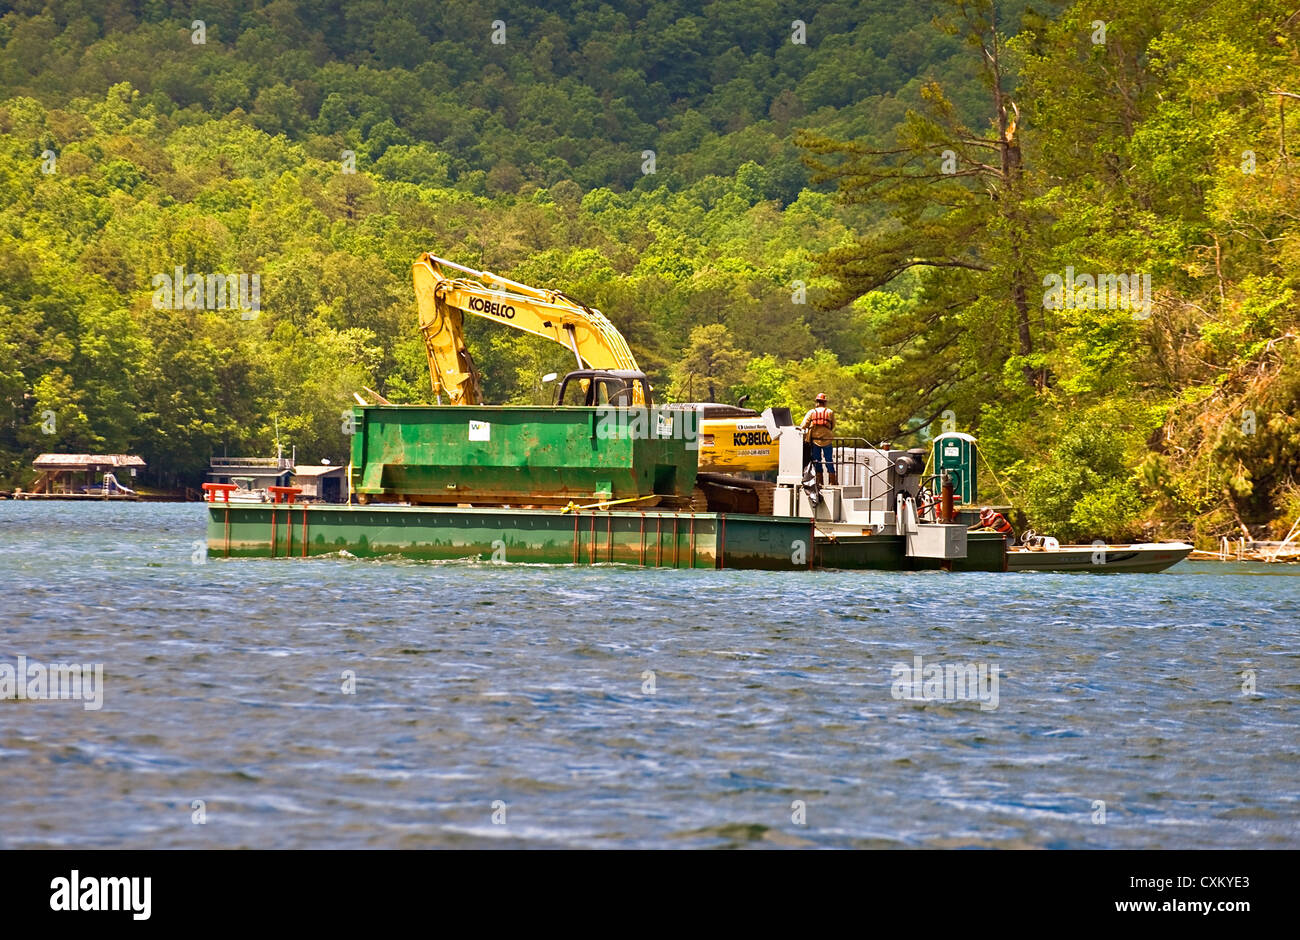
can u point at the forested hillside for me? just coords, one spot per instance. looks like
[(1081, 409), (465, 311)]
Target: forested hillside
[(865, 198)]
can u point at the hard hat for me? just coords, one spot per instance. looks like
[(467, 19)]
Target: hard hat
[(986, 509), (821, 396)]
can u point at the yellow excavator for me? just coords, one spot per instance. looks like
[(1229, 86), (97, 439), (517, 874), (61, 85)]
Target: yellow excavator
[(731, 438)]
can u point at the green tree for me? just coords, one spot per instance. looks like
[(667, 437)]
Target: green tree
[(709, 365)]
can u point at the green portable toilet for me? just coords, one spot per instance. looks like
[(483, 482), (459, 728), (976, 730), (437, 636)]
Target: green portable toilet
[(954, 453)]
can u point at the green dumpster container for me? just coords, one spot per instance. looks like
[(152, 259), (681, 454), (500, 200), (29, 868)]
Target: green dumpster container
[(491, 455)]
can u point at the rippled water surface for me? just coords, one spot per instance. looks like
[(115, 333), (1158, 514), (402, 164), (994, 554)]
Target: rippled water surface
[(531, 685)]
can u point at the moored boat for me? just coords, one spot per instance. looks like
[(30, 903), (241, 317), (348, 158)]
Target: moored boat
[(1139, 556)]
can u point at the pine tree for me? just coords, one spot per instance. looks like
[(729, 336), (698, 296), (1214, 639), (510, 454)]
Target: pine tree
[(955, 228)]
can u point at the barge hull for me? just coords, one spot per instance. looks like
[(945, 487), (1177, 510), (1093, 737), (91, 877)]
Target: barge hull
[(985, 551), (647, 538)]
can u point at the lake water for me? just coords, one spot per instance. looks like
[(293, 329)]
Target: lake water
[(588, 707)]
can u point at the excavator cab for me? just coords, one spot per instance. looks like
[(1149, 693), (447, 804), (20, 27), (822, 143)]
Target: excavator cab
[(595, 388)]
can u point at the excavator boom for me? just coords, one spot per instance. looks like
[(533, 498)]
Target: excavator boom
[(446, 291)]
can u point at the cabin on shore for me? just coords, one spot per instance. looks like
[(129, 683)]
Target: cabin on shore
[(324, 482), (252, 473), (73, 475)]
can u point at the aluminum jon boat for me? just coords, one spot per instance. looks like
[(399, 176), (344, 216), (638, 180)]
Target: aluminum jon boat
[(1142, 556)]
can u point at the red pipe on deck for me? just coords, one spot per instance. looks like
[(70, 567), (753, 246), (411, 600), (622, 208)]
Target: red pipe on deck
[(576, 537), (283, 494)]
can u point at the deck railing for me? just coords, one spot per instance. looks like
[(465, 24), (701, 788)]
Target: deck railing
[(852, 466)]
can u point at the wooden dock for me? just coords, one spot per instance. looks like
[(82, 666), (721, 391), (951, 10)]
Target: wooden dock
[(100, 497), (1287, 550)]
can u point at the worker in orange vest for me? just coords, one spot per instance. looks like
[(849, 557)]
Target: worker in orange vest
[(819, 423), (989, 519)]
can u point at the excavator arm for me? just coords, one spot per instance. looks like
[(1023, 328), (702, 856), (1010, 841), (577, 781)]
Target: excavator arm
[(445, 292)]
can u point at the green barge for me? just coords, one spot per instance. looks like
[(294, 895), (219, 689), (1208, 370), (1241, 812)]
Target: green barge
[(595, 485)]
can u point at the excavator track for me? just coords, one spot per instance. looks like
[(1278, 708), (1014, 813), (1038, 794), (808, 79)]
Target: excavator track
[(726, 493)]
